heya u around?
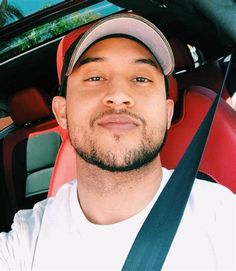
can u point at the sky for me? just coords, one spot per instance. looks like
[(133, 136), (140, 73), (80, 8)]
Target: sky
[(30, 6)]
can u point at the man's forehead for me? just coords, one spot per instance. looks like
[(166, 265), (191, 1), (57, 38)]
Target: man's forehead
[(87, 58)]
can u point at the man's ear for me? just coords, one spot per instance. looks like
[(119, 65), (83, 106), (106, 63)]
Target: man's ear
[(170, 112), (59, 110)]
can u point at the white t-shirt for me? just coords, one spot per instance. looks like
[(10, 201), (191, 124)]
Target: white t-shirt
[(55, 234)]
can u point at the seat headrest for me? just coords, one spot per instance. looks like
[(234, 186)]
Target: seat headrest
[(182, 55), (29, 105)]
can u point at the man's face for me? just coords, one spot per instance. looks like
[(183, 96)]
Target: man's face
[(116, 108)]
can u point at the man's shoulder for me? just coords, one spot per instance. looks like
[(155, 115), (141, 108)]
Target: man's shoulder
[(213, 202), (27, 226), (26, 218), (205, 189), (212, 190), (209, 198), (52, 204)]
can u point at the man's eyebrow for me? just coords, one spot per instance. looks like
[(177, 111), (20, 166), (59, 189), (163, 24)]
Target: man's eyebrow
[(148, 61), (88, 60)]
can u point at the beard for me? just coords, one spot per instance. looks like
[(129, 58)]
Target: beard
[(118, 160), (132, 159)]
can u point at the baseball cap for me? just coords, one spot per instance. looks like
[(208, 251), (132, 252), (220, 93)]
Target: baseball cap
[(122, 24)]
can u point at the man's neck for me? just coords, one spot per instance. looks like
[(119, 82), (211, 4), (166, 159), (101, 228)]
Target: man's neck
[(107, 197)]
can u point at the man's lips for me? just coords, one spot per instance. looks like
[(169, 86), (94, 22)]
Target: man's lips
[(117, 122)]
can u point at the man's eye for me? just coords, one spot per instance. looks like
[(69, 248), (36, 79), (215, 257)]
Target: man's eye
[(141, 80), (94, 78)]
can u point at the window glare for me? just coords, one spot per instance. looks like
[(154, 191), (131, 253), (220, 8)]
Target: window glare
[(17, 9), (55, 28)]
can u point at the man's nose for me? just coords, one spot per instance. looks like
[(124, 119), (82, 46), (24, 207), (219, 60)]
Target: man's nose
[(118, 95)]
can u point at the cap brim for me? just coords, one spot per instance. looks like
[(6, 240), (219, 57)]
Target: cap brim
[(132, 25)]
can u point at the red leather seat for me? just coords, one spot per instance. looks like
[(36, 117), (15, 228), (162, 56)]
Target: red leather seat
[(30, 151), (64, 169), (219, 159)]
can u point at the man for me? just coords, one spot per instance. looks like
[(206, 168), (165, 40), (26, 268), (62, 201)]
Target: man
[(115, 106)]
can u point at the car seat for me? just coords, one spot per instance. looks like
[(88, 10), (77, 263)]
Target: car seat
[(219, 158), (30, 151)]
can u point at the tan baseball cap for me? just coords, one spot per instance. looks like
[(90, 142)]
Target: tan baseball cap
[(131, 25)]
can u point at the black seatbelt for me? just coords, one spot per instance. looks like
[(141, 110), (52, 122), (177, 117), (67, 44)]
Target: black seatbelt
[(155, 237)]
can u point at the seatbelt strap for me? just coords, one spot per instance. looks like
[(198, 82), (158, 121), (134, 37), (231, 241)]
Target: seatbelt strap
[(155, 237)]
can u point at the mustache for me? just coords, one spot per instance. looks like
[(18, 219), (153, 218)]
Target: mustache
[(117, 112)]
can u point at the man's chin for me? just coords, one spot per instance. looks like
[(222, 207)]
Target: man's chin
[(119, 157), (111, 162)]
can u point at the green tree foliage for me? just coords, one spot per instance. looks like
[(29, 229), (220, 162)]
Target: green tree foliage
[(45, 32), (8, 13)]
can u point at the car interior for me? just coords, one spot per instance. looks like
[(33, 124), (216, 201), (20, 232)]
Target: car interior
[(36, 154)]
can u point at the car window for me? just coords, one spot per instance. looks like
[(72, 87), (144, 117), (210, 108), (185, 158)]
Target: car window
[(47, 31), (5, 122), (5, 119), (14, 10)]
